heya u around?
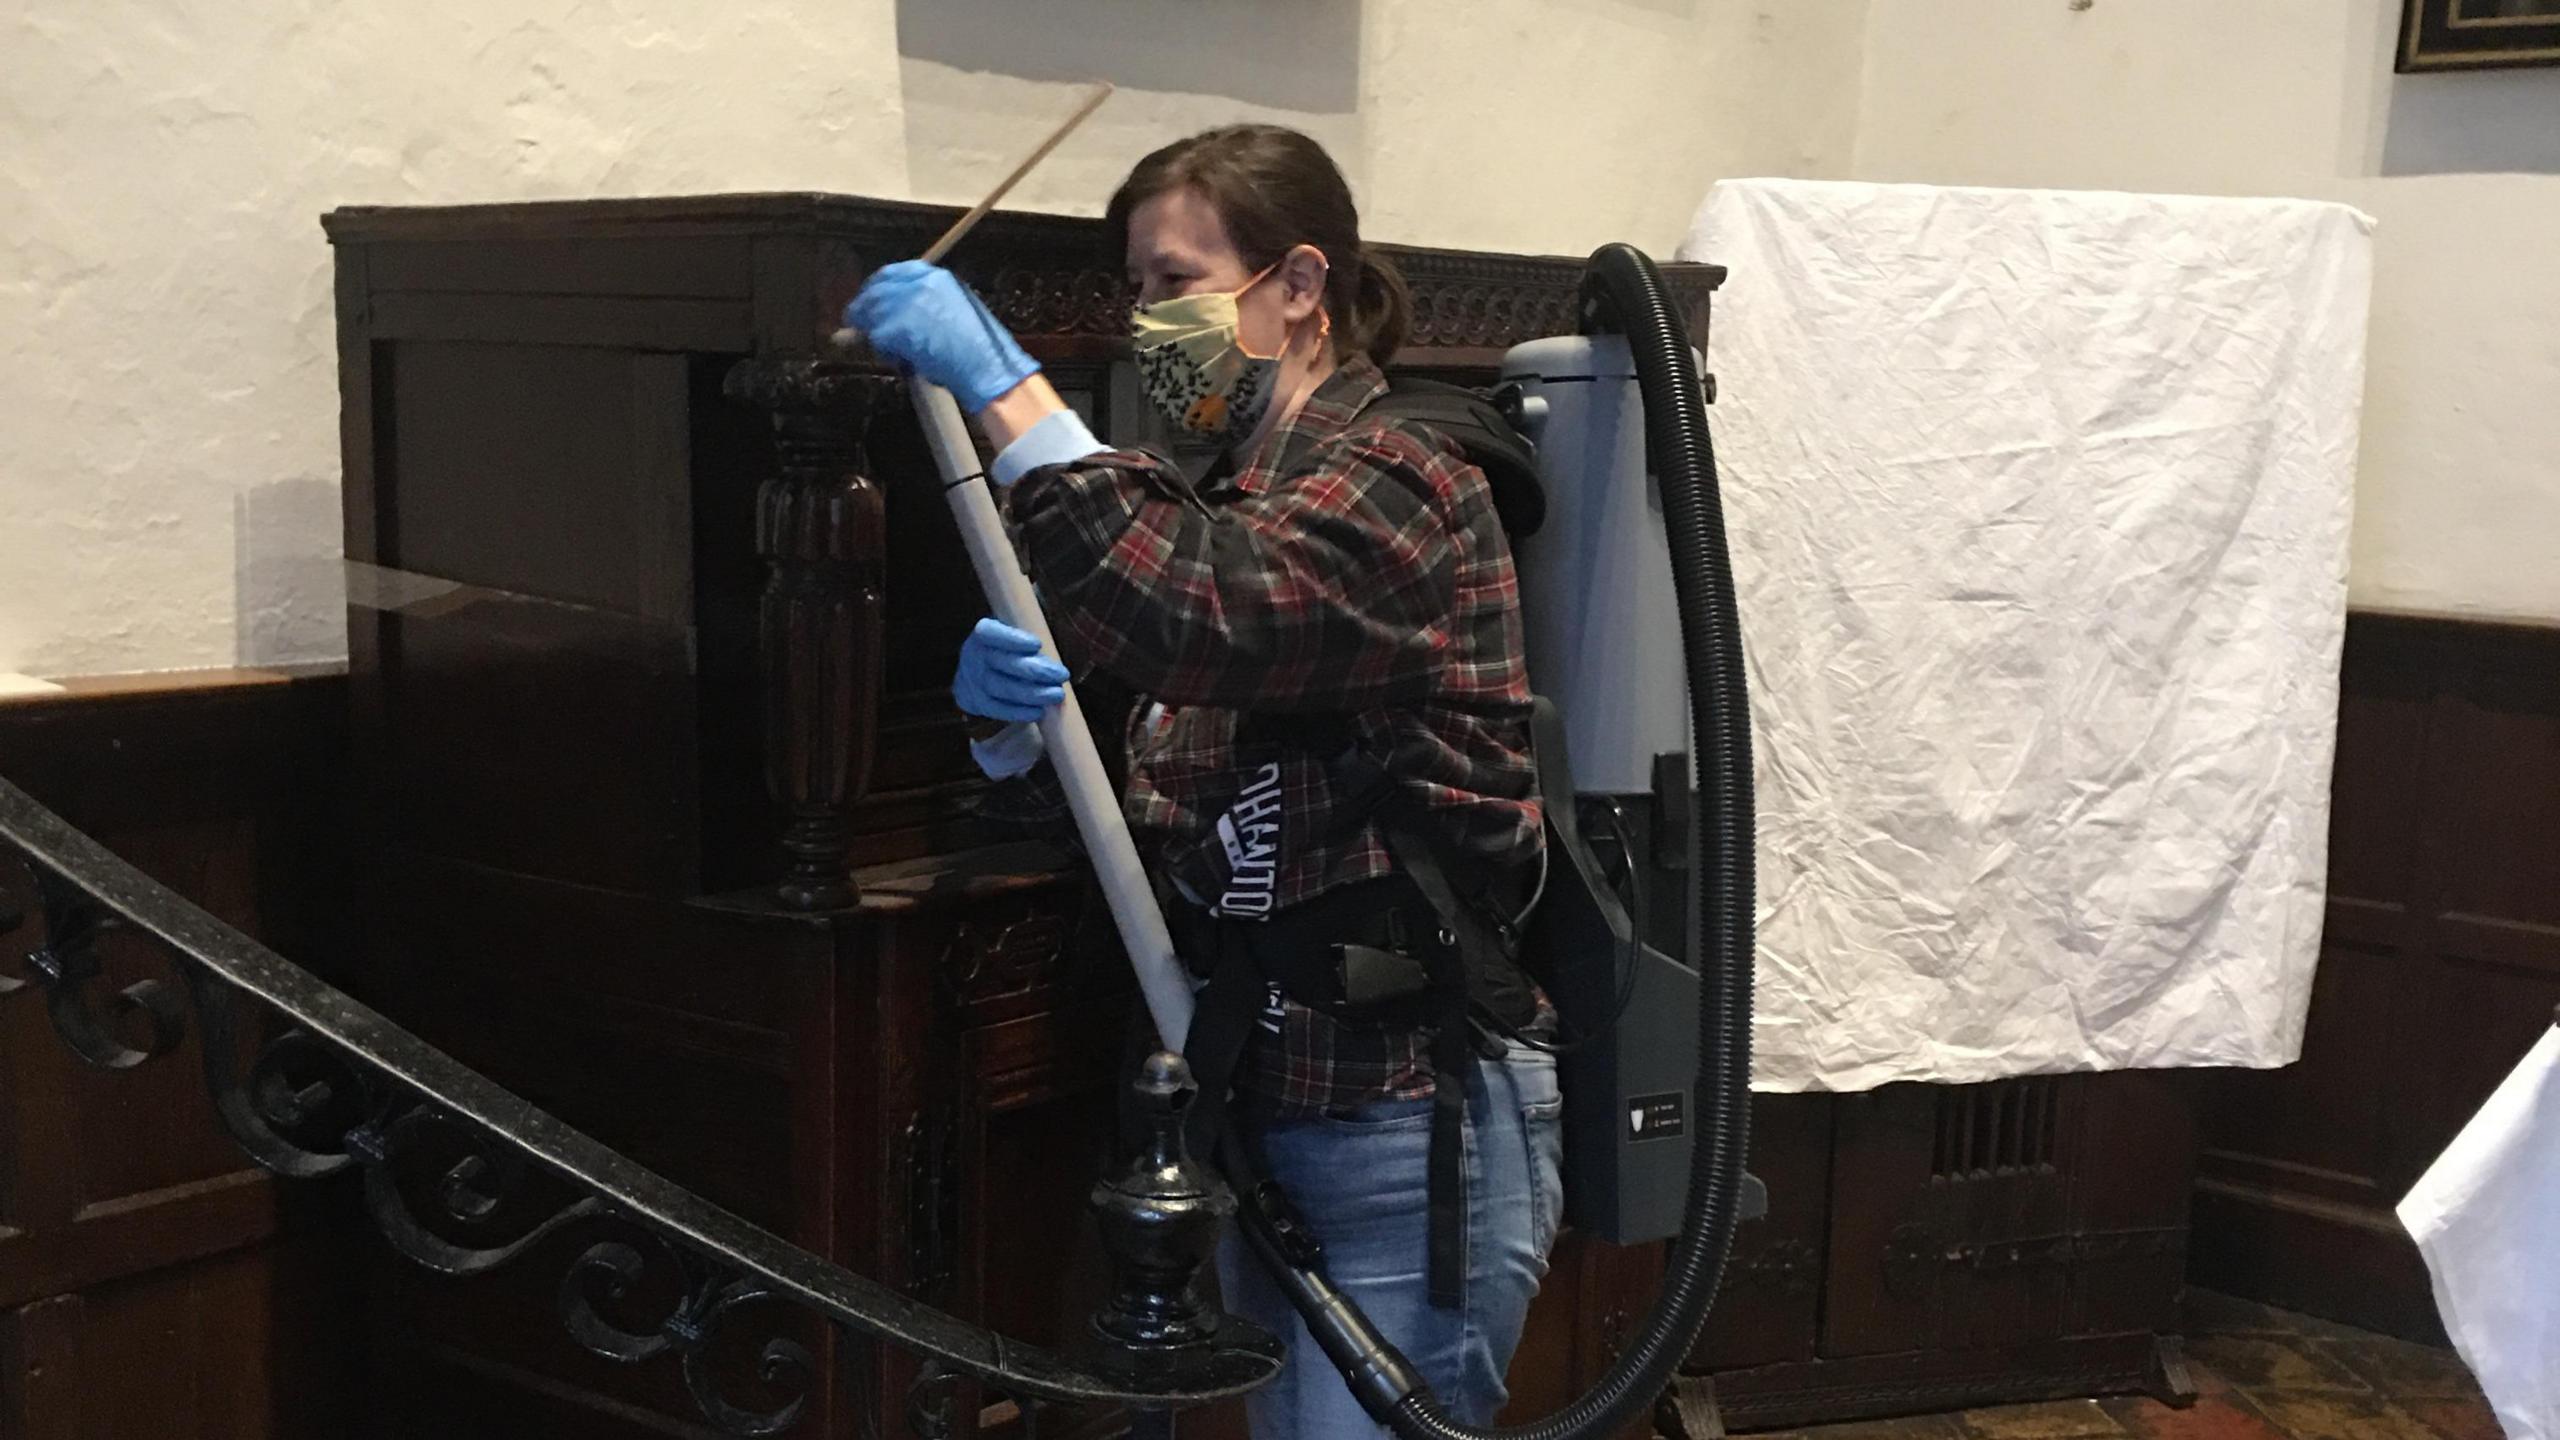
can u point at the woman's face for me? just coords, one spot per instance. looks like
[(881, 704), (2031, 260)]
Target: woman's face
[(1178, 246)]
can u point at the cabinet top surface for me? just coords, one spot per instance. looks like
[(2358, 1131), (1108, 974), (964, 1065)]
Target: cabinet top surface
[(747, 211), (809, 211)]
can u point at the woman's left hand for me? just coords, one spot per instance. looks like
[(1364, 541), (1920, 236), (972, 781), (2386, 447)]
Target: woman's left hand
[(1005, 676), (920, 315)]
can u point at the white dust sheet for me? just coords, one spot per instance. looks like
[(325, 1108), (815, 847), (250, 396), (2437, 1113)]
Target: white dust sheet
[(2039, 508)]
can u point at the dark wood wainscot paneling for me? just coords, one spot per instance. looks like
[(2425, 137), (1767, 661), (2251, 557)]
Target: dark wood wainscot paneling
[(152, 1281), (2439, 968)]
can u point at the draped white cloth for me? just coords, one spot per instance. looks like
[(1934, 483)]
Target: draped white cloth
[(2039, 507)]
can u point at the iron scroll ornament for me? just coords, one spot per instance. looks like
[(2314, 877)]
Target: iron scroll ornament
[(343, 1089)]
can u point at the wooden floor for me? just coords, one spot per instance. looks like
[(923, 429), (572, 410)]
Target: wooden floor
[(2265, 1374)]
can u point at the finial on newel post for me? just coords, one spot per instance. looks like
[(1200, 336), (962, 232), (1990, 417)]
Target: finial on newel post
[(1160, 1218)]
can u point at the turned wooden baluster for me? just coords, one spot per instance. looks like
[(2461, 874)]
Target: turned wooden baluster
[(820, 529)]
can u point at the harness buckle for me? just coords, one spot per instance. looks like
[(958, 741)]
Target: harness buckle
[(1369, 976)]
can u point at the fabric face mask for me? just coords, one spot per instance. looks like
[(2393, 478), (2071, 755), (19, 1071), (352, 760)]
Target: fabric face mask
[(1191, 358)]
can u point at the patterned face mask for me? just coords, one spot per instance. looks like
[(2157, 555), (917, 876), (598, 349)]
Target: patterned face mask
[(1191, 358)]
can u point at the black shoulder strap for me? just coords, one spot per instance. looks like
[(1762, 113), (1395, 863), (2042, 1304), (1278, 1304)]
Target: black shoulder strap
[(1463, 961), (1484, 435), (1453, 1059)]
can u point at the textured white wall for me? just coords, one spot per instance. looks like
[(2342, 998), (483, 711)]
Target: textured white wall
[(2458, 499), (168, 469)]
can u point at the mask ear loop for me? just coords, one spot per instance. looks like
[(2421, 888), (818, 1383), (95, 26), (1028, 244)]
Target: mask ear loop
[(1324, 313)]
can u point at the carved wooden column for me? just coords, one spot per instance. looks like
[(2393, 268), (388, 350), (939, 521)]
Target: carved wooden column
[(820, 527)]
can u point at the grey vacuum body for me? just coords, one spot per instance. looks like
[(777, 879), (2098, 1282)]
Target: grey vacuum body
[(1603, 631)]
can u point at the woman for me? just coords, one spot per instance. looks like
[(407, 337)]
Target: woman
[(1326, 633)]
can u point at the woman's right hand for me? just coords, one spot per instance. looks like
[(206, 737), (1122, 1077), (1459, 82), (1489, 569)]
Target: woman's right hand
[(921, 316), (1003, 675)]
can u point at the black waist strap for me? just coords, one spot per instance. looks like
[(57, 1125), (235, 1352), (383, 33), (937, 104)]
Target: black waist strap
[(1350, 952), (1310, 952)]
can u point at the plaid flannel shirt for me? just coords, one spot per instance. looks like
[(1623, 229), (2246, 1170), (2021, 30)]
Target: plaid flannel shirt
[(1371, 584)]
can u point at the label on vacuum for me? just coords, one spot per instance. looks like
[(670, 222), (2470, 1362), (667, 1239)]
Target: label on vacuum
[(1658, 1117)]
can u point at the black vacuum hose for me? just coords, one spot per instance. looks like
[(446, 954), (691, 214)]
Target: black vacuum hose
[(1622, 291)]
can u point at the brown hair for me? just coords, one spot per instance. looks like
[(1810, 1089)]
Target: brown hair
[(1274, 189)]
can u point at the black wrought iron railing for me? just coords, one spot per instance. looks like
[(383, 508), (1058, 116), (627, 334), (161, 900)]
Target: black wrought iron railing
[(445, 1155)]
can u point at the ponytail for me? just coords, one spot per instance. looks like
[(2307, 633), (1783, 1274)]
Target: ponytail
[(1381, 310)]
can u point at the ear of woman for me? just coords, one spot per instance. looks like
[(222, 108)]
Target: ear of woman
[(1304, 273)]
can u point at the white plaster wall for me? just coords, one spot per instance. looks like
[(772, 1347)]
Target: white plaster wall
[(2458, 496), (168, 464)]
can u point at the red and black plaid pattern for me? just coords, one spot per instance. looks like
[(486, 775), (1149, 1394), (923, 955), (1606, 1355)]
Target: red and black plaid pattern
[(1372, 584)]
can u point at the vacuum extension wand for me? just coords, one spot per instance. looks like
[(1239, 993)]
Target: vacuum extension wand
[(1162, 978), (1063, 731)]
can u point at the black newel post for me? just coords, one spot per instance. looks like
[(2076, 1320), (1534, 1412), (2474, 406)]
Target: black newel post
[(1160, 1218)]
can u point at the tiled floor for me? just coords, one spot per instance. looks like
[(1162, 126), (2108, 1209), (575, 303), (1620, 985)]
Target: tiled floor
[(2263, 1375)]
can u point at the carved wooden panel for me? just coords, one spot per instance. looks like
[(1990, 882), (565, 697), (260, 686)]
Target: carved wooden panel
[(1010, 949)]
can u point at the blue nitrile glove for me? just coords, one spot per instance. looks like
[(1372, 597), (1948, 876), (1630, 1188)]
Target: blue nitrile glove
[(1003, 675), (921, 316)]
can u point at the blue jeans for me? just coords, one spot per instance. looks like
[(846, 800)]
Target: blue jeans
[(1360, 1180)]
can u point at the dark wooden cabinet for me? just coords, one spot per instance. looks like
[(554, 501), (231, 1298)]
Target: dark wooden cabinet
[(652, 618)]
